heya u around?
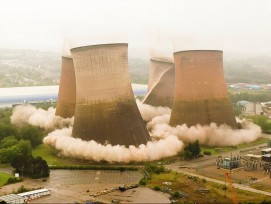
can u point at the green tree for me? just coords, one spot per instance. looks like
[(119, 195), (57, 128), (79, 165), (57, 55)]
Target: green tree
[(8, 142), (31, 133), (25, 148), (7, 130)]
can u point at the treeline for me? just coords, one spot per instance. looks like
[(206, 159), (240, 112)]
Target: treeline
[(263, 121), (16, 147), (252, 96)]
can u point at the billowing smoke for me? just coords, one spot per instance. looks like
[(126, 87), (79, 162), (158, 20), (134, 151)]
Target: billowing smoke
[(28, 114), (166, 140), (75, 147), (211, 135), (149, 112)]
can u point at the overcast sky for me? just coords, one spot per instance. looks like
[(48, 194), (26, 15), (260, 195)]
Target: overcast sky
[(242, 26)]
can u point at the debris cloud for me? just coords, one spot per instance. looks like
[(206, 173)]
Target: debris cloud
[(166, 140), (46, 119)]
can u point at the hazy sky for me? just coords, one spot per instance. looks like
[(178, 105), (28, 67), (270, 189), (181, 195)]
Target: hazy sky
[(242, 26)]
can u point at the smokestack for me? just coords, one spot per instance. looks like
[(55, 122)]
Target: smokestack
[(200, 95), (66, 94), (162, 92), (106, 110), (158, 66)]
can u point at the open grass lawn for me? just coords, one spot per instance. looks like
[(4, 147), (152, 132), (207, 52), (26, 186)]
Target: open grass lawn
[(218, 150), (193, 186), (4, 177), (50, 154)]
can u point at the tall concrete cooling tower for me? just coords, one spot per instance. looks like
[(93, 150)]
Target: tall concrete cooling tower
[(67, 91), (200, 95), (106, 110), (162, 92)]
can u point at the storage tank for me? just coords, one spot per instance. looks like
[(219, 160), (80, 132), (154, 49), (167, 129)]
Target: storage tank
[(200, 94), (106, 110), (67, 91)]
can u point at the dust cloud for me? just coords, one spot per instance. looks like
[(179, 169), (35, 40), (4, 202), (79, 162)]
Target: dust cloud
[(166, 140), (46, 119)]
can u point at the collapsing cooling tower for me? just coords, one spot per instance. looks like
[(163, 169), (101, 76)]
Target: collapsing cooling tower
[(200, 95), (105, 107), (157, 67), (66, 95), (162, 92)]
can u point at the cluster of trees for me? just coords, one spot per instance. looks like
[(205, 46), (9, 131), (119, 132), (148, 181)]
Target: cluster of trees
[(252, 96), (191, 150), (263, 121), (30, 166), (16, 147)]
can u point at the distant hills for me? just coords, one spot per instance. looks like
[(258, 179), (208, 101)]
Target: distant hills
[(34, 68)]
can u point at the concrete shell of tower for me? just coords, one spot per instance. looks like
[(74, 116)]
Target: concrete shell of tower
[(157, 67), (106, 111), (67, 90), (200, 94), (162, 93)]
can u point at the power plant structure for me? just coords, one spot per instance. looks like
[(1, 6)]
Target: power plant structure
[(106, 111), (161, 92), (200, 94), (157, 67), (67, 91)]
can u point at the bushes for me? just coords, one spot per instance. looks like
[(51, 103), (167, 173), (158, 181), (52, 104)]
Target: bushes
[(143, 182), (150, 168), (157, 188), (13, 180), (207, 153)]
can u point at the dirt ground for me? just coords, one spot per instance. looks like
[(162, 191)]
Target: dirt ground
[(239, 175), (70, 186)]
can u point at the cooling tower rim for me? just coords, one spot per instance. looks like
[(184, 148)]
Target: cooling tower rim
[(162, 60), (98, 45), (198, 51), (67, 56)]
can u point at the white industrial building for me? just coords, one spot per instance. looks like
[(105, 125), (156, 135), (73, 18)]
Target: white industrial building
[(25, 197), (34, 194)]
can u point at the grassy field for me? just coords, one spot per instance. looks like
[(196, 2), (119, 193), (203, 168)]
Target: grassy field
[(218, 150), (4, 177), (199, 190), (50, 155)]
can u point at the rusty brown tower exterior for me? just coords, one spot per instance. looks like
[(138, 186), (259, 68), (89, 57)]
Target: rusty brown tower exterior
[(200, 95), (161, 83), (67, 91), (105, 107)]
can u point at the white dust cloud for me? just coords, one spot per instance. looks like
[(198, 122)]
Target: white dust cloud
[(149, 112), (91, 150), (28, 114), (211, 135), (166, 140)]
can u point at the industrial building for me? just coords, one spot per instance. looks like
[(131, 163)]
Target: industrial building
[(106, 111), (66, 94), (161, 84), (30, 195), (200, 94)]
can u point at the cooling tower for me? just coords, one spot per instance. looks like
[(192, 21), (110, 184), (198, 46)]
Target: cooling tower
[(157, 67), (200, 94), (66, 95), (162, 92), (105, 107)]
